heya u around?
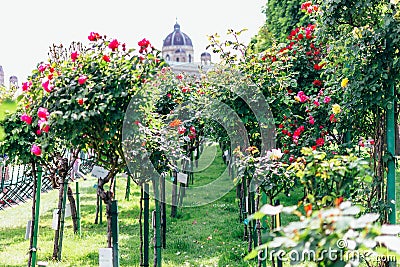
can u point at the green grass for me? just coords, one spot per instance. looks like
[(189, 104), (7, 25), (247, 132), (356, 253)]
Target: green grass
[(6, 107), (209, 235)]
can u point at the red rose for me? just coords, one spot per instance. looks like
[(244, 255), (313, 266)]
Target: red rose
[(94, 36), (320, 142), (80, 101), (106, 58), (113, 45), (317, 83), (74, 56)]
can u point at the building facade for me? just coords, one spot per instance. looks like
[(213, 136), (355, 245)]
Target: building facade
[(178, 52)]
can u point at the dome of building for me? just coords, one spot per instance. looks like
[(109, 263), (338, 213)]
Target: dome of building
[(178, 47), (205, 58), (177, 37), (179, 50)]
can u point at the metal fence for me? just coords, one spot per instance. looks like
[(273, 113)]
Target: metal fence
[(16, 184)]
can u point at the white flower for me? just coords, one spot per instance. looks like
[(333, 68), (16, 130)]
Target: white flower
[(274, 154)]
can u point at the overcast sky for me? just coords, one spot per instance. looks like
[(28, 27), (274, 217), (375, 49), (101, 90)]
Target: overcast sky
[(28, 28)]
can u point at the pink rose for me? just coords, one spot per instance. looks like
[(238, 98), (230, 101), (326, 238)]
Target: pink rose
[(26, 86), (311, 120), (42, 68), (43, 113), (82, 79), (47, 86), (36, 150), (26, 118)]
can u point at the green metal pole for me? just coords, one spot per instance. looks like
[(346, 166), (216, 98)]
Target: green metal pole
[(128, 187), (391, 176), (60, 241), (78, 208), (101, 210), (264, 225), (37, 210), (146, 228), (158, 222), (278, 224), (115, 232)]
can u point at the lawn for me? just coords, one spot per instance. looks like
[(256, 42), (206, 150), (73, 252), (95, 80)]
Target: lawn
[(209, 235), (6, 107)]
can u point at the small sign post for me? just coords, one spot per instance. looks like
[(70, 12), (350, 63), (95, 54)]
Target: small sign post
[(28, 230), (182, 178), (105, 257)]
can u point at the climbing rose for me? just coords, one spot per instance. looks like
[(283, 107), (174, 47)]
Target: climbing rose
[(316, 103), (372, 141), (46, 128), (317, 83), (42, 123), (82, 79), (181, 130), (93, 36), (43, 113), (74, 56), (297, 133), (336, 109), (327, 99), (113, 45), (301, 97), (47, 86), (317, 67), (305, 5), (332, 118), (26, 86), (344, 82), (144, 43), (311, 120), (320, 142), (36, 150), (106, 58), (26, 118), (42, 68)]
